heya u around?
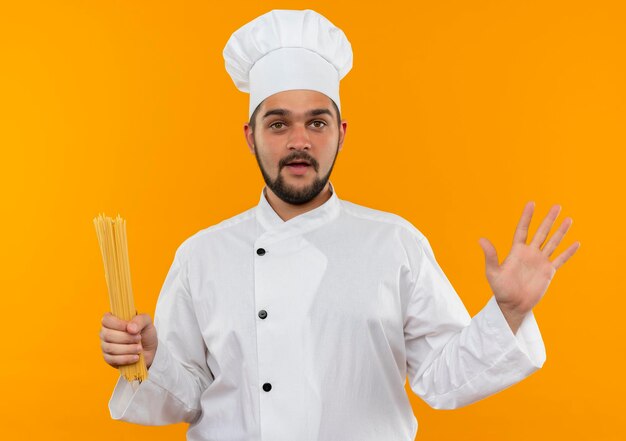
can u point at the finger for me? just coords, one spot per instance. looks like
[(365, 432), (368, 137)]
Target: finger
[(556, 238), (521, 232), (112, 322), (120, 349), (545, 227), (139, 323), (491, 255), (113, 336), (120, 360), (565, 255)]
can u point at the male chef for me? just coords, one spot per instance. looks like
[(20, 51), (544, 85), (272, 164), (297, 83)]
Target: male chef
[(301, 318)]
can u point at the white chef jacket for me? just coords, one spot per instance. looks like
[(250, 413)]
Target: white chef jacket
[(306, 330)]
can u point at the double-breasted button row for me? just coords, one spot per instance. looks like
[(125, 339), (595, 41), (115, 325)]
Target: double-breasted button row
[(263, 314), (267, 386)]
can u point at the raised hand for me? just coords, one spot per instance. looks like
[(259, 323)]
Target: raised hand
[(523, 278)]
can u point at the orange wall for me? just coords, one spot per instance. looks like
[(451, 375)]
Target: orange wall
[(458, 113)]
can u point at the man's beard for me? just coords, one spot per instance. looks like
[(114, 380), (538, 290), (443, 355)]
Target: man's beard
[(289, 194)]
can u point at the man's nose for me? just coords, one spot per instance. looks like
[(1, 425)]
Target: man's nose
[(299, 138)]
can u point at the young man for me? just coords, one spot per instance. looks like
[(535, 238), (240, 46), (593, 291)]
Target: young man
[(301, 318)]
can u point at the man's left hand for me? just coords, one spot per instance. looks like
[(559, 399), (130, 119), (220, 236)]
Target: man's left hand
[(522, 279)]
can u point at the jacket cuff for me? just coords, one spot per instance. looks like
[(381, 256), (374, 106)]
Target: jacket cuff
[(527, 341), (129, 401)]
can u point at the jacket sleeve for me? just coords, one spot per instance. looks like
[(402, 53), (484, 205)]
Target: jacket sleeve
[(179, 373), (452, 359)]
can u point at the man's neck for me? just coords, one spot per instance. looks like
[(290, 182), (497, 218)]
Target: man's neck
[(288, 211)]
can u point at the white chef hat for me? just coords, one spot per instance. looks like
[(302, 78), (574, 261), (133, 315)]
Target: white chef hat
[(287, 50)]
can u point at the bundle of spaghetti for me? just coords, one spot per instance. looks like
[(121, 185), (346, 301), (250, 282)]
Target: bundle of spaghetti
[(114, 247)]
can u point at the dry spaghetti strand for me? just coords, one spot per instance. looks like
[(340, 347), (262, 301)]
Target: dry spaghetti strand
[(114, 248)]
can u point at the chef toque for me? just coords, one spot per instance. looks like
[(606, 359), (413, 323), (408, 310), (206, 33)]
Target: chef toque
[(286, 50)]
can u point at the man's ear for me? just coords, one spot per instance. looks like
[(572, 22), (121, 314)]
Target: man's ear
[(342, 132), (247, 131)]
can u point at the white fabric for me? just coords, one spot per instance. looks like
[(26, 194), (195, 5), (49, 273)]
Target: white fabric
[(286, 50), (355, 302)]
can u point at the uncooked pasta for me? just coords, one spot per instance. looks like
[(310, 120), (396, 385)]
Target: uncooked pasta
[(114, 247)]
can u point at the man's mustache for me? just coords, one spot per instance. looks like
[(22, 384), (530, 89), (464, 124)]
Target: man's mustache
[(295, 156)]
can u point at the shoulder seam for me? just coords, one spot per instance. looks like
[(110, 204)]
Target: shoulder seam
[(402, 224), (224, 224)]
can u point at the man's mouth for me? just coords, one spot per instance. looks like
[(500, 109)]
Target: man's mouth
[(299, 163), (298, 167)]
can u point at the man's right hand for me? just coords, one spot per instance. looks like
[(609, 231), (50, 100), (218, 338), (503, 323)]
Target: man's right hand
[(122, 341)]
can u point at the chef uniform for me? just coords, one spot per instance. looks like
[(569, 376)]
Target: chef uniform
[(306, 330)]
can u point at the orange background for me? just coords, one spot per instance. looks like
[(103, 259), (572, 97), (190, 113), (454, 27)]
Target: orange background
[(458, 113)]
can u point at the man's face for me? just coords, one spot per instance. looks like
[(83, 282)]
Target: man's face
[(296, 141)]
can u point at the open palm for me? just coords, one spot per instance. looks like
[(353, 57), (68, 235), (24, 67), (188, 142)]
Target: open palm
[(523, 278)]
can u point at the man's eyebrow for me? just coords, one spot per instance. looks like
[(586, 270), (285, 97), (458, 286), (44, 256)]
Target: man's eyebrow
[(281, 112), (285, 112), (316, 112)]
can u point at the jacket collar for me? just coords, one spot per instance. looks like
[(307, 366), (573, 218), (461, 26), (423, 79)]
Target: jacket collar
[(276, 228)]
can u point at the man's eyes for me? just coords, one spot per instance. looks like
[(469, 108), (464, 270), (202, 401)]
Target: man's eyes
[(318, 124)]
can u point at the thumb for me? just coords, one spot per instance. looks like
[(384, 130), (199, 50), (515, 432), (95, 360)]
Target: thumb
[(139, 323), (491, 256)]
